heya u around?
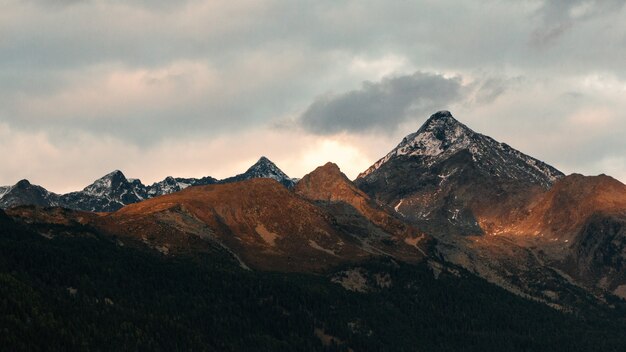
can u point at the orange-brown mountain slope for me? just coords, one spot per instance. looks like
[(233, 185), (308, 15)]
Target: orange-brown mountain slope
[(580, 224), (379, 227), (263, 223), (562, 211)]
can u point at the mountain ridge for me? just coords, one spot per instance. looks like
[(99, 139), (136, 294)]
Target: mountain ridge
[(447, 171), (510, 218), (445, 193), (113, 190)]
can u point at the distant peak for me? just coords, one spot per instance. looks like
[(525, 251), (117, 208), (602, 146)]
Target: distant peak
[(262, 164), (329, 167), (440, 120), (264, 160), (23, 183), (109, 181), (443, 114), (114, 174), (440, 134)]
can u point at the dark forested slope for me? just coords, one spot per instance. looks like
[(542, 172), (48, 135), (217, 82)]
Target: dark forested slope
[(82, 291)]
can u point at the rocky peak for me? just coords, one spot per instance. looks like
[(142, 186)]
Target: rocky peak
[(167, 186), (439, 119), (443, 126), (330, 169), (25, 193), (264, 160), (108, 193), (107, 183), (328, 183), (442, 136), (450, 177), (324, 172), (169, 181), (263, 168), (23, 184)]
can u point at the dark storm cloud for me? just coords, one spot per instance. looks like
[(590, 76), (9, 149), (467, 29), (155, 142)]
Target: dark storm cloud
[(381, 105)]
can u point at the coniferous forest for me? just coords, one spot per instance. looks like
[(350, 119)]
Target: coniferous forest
[(83, 292)]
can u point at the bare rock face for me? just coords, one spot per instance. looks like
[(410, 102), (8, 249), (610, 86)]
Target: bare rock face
[(259, 220), (506, 216), (377, 226), (263, 168), (449, 178), (580, 225), (598, 254), (328, 184), (560, 213), (24, 192), (445, 194)]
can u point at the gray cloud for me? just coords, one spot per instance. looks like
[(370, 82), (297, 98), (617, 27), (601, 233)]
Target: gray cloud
[(559, 16), (144, 73), (381, 105), (486, 90)]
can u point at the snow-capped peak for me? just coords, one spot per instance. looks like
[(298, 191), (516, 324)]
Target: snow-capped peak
[(264, 167), (105, 184), (438, 134), (442, 136), (167, 186)]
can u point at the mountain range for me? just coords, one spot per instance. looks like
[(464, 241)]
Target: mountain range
[(446, 198), (113, 191)]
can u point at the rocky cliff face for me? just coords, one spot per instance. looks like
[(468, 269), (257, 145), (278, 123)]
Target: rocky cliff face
[(265, 224), (263, 168), (506, 216), (445, 194), (448, 178), (580, 226), (24, 192), (377, 226)]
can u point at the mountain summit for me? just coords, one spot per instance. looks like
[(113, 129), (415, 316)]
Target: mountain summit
[(113, 191), (108, 193), (113, 184), (442, 136), (23, 192), (448, 174), (263, 168)]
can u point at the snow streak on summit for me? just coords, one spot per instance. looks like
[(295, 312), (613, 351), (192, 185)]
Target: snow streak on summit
[(449, 176), (442, 136), (113, 191), (263, 168)]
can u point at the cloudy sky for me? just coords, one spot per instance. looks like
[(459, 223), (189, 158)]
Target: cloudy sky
[(196, 88)]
